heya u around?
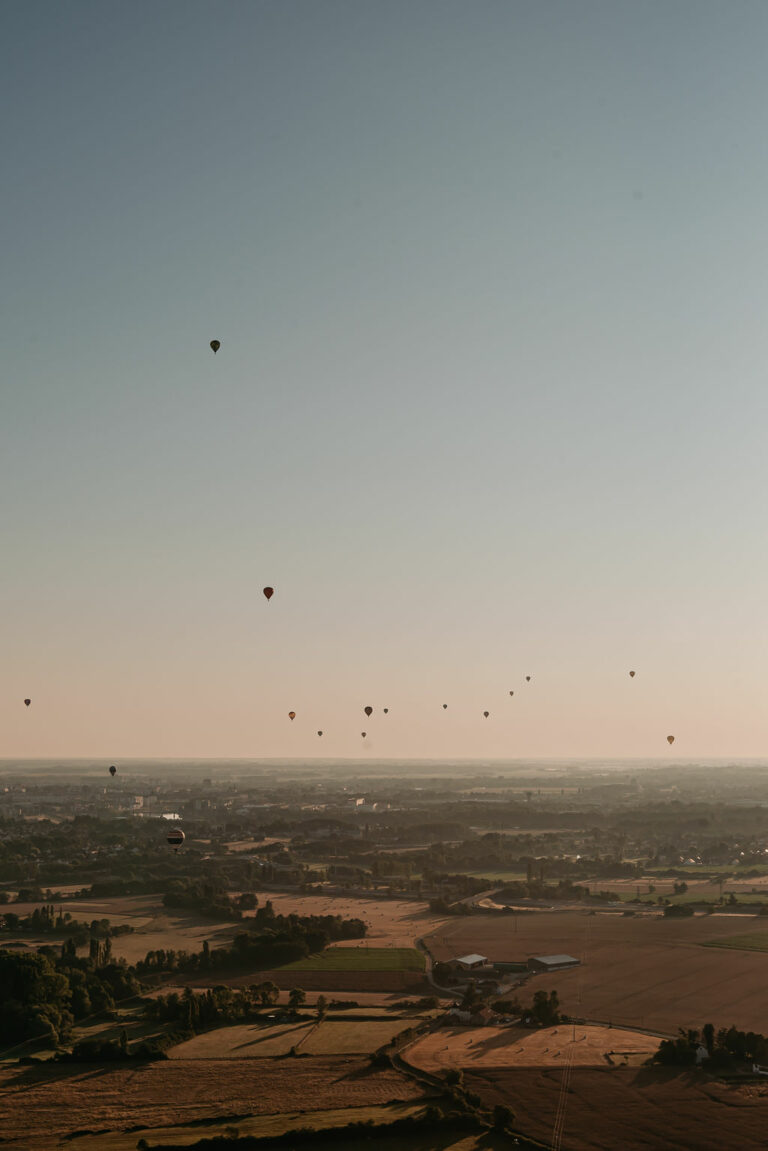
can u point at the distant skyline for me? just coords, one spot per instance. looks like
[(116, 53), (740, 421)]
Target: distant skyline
[(490, 285)]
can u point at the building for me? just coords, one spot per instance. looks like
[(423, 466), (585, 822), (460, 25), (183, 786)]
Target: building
[(549, 963), (464, 964)]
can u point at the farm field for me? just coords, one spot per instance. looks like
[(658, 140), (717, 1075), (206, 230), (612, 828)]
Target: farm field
[(521, 1047), (39, 1106), (260, 1126), (638, 972), (752, 941), (329, 1037), (361, 959), (635, 1109), (390, 922)]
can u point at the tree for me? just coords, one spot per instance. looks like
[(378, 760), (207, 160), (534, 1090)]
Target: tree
[(297, 998), (322, 1006), (708, 1035), (503, 1118)]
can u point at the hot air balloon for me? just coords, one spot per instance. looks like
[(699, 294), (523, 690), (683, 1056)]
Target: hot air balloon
[(670, 739), (27, 702), (511, 693), (527, 679), (368, 711), (215, 345), (445, 705), (175, 838), (363, 733), (386, 711), (291, 714), (631, 675), (269, 592), (486, 714), (113, 771), (319, 733)]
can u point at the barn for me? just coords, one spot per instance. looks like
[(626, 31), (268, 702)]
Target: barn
[(466, 963), (547, 963)]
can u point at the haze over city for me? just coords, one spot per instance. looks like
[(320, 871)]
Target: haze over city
[(489, 282)]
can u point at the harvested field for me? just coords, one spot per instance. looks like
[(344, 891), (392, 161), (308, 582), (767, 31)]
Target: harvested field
[(648, 973), (390, 922), (39, 1106), (477, 1047), (632, 1109), (260, 1127), (331, 1037), (243, 1042)]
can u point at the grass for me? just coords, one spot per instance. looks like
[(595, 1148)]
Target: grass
[(751, 941), (361, 959)]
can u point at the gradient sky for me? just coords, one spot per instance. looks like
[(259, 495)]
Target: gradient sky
[(490, 281)]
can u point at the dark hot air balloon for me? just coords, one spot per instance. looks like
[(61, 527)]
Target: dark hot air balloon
[(511, 693), (269, 592), (631, 675), (670, 739), (445, 705), (113, 771), (215, 345), (175, 838), (291, 714), (527, 679), (27, 702), (386, 710), (486, 714), (368, 711), (363, 733), (319, 733)]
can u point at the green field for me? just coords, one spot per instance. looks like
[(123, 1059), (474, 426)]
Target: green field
[(751, 941), (361, 959)]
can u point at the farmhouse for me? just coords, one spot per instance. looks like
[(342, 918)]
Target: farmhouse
[(552, 962), (465, 963)]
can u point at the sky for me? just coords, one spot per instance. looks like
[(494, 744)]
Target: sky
[(490, 282)]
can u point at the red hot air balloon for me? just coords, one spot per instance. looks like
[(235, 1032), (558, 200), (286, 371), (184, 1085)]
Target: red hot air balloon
[(215, 345), (113, 771), (175, 838), (27, 702), (368, 711), (269, 592), (291, 715), (670, 739)]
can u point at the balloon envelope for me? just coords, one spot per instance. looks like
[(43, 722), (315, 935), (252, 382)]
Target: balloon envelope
[(670, 739), (527, 679), (175, 837), (113, 770), (486, 714), (27, 702), (291, 714), (511, 693), (368, 711), (363, 733), (632, 675), (215, 345), (445, 705), (319, 733), (269, 592), (386, 711)]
